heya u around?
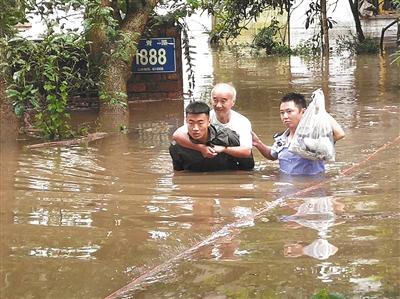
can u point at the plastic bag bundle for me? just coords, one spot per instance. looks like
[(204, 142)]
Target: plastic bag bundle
[(313, 138)]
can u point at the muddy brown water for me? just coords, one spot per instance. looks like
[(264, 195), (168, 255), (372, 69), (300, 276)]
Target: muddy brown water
[(83, 221)]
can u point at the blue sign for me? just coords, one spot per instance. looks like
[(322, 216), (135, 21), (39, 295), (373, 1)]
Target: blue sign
[(155, 55)]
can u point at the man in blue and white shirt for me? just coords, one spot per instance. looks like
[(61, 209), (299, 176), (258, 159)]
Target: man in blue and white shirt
[(292, 108)]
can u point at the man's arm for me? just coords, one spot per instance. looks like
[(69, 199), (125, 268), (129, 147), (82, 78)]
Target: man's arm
[(338, 132), (265, 150), (243, 156), (234, 151), (182, 138)]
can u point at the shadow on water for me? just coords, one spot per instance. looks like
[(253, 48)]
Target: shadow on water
[(83, 221)]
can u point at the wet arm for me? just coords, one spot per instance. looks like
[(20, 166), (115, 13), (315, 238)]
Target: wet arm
[(242, 154), (234, 151), (265, 150), (181, 137), (338, 132)]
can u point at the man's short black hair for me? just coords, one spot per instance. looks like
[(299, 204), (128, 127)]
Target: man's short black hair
[(297, 98), (197, 107)]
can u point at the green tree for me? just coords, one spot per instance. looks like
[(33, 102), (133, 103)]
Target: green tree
[(231, 17), (12, 13), (114, 29)]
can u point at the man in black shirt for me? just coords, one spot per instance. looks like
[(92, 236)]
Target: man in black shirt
[(218, 138)]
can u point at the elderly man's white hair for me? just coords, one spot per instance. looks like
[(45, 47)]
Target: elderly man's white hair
[(226, 87)]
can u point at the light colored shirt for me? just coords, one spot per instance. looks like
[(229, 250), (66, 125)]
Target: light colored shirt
[(238, 123), (293, 164)]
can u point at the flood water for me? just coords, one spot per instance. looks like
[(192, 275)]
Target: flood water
[(84, 221)]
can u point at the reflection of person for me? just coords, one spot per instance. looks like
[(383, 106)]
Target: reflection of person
[(292, 108), (320, 249), (223, 98), (200, 131), (316, 213)]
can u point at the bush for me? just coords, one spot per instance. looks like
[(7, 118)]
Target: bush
[(324, 294), (308, 47), (43, 75), (352, 44), (265, 39), (368, 46)]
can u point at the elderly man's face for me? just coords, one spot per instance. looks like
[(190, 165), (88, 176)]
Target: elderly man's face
[(198, 126), (222, 100)]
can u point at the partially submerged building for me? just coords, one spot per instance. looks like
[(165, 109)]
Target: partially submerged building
[(374, 17)]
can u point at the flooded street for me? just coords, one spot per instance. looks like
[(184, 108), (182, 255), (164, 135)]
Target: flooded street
[(84, 221)]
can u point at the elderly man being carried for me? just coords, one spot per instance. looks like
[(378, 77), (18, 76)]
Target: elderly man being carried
[(221, 140)]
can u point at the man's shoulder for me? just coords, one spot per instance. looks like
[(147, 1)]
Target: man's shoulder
[(221, 129), (220, 135), (236, 117), (238, 114)]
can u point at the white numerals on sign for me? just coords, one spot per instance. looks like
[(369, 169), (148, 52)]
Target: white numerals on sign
[(151, 57), (162, 57)]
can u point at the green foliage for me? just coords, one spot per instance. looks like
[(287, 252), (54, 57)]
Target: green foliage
[(240, 293), (100, 17), (115, 99), (43, 76), (396, 56), (352, 44), (266, 39), (233, 16), (324, 294), (178, 11), (396, 4), (187, 53), (12, 12), (367, 46), (313, 14), (282, 50), (310, 47)]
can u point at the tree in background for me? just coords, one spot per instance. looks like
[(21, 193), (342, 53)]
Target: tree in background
[(397, 54), (10, 15), (231, 17), (356, 15), (42, 74), (114, 29)]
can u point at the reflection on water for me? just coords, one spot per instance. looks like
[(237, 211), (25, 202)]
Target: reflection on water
[(94, 217), (84, 252), (55, 218)]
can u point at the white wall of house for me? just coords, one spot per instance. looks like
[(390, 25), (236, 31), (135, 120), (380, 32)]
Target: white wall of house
[(37, 27), (341, 13)]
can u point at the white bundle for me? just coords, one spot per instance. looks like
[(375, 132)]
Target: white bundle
[(313, 138)]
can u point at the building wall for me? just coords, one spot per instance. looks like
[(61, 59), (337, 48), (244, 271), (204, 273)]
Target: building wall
[(341, 13), (140, 86), (158, 86)]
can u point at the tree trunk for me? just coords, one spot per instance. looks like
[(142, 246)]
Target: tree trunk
[(324, 29), (8, 120), (115, 79), (97, 37), (356, 16), (288, 21), (118, 67)]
